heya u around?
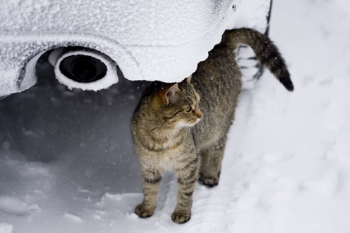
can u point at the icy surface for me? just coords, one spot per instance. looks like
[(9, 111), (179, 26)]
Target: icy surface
[(149, 40), (67, 165)]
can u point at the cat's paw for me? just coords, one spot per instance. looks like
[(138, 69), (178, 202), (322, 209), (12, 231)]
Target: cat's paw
[(142, 212), (209, 181), (181, 217)]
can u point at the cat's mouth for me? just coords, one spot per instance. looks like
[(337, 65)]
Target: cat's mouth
[(188, 123), (193, 122)]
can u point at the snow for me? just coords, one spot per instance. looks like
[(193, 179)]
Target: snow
[(148, 40), (67, 163), (6, 228), (140, 36)]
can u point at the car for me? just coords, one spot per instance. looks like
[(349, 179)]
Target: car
[(88, 40)]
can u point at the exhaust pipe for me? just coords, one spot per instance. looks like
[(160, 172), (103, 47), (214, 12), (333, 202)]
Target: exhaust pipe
[(82, 68)]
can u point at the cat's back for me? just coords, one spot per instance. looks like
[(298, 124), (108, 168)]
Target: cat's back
[(219, 73), (218, 81)]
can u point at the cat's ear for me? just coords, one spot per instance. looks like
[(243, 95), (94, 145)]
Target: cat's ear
[(169, 94)]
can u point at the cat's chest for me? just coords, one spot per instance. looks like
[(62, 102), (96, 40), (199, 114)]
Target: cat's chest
[(171, 157), (169, 152)]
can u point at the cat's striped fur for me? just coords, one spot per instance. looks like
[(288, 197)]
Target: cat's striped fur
[(169, 131)]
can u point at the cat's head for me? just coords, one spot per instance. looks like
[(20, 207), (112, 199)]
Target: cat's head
[(177, 104)]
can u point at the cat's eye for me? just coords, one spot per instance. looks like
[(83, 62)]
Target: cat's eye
[(188, 109)]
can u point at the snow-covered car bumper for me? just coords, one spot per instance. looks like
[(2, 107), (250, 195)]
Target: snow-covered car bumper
[(148, 40)]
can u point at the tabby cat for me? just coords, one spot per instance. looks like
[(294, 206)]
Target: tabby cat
[(183, 126)]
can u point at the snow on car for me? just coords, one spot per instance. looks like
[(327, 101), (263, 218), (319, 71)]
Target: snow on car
[(148, 40)]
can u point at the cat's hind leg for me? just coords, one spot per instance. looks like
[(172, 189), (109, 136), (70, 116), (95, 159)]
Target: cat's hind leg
[(210, 168), (150, 184)]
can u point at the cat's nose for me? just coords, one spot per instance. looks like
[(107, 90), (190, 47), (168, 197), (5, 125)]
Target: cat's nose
[(198, 113)]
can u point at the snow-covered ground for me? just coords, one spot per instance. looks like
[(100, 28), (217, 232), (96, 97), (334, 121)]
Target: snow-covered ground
[(67, 163)]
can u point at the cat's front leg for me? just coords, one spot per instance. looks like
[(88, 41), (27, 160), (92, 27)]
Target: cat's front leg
[(150, 185), (186, 180)]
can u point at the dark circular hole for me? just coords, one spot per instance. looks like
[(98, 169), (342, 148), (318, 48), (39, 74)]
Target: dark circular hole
[(82, 68)]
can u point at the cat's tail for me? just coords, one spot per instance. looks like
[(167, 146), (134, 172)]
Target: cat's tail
[(266, 52)]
